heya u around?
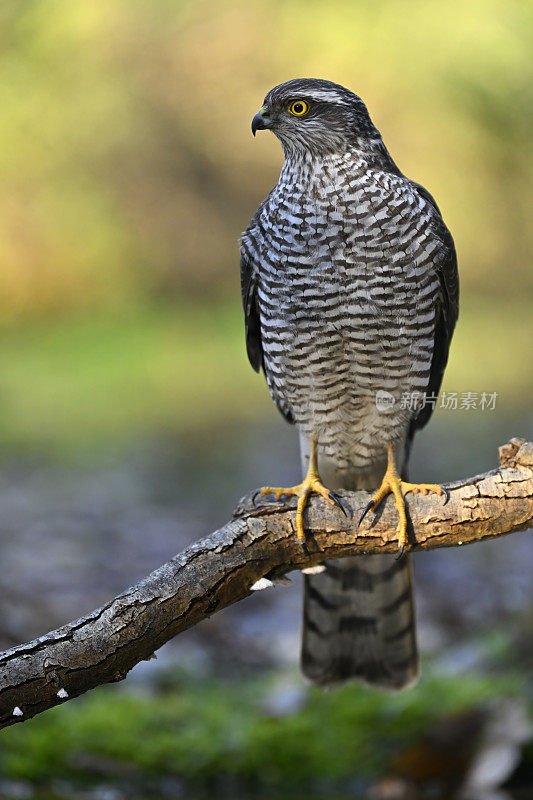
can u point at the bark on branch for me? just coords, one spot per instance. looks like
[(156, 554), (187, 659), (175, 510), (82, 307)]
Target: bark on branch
[(221, 569)]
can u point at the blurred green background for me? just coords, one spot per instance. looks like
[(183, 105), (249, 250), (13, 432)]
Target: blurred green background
[(130, 421)]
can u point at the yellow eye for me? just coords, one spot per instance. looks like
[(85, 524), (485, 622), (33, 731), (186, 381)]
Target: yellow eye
[(298, 108)]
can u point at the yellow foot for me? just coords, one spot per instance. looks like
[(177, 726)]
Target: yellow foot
[(391, 484), (311, 483)]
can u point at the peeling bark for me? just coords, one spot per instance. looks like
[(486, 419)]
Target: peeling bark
[(221, 569)]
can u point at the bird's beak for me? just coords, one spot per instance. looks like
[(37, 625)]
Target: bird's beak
[(261, 121)]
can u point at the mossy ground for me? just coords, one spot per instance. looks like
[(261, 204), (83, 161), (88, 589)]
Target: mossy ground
[(211, 733)]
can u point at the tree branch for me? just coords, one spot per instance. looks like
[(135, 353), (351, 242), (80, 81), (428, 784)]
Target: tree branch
[(221, 569)]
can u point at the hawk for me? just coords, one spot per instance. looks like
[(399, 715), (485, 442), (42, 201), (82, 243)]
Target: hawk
[(350, 293)]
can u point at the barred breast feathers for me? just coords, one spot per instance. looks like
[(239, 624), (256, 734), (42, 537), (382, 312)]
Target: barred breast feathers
[(343, 251)]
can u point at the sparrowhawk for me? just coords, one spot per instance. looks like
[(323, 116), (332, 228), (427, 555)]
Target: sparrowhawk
[(350, 293)]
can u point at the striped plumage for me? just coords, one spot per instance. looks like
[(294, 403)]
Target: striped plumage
[(350, 287)]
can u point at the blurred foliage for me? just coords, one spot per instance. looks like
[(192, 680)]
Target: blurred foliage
[(87, 380), (126, 161), (206, 731), (127, 171)]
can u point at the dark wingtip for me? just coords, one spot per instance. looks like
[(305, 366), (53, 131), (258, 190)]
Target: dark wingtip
[(367, 508)]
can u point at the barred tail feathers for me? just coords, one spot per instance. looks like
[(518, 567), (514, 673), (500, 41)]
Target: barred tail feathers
[(358, 621)]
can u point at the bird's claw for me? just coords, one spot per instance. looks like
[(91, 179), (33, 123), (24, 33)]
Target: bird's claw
[(338, 502), (369, 506), (446, 494)]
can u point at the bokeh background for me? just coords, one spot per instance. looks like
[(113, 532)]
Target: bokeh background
[(131, 422)]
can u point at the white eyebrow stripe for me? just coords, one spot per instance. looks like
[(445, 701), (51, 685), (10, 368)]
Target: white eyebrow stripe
[(331, 95)]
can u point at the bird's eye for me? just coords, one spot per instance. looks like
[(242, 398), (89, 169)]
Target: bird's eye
[(298, 108)]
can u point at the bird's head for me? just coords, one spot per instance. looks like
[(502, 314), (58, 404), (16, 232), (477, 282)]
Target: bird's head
[(317, 116)]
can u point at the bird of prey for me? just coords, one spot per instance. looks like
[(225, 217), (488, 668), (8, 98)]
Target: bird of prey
[(350, 293)]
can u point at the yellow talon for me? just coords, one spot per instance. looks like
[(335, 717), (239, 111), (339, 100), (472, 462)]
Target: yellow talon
[(311, 483), (391, 484)]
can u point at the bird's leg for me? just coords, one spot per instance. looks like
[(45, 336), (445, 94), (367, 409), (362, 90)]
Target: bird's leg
[(311, 483), (391, 484)]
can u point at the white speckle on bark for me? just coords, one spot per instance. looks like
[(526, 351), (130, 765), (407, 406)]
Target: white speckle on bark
[(262, 583), (316, 570), (62, 693), (17, 712)]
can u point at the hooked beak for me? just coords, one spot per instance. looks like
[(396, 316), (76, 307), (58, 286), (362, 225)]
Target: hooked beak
[(261, 121)]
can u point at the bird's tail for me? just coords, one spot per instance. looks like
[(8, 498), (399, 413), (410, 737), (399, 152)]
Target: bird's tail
[(358, 622)]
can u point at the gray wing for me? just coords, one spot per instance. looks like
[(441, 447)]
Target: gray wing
[(252, 318), (252, 321), (447, 306)]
